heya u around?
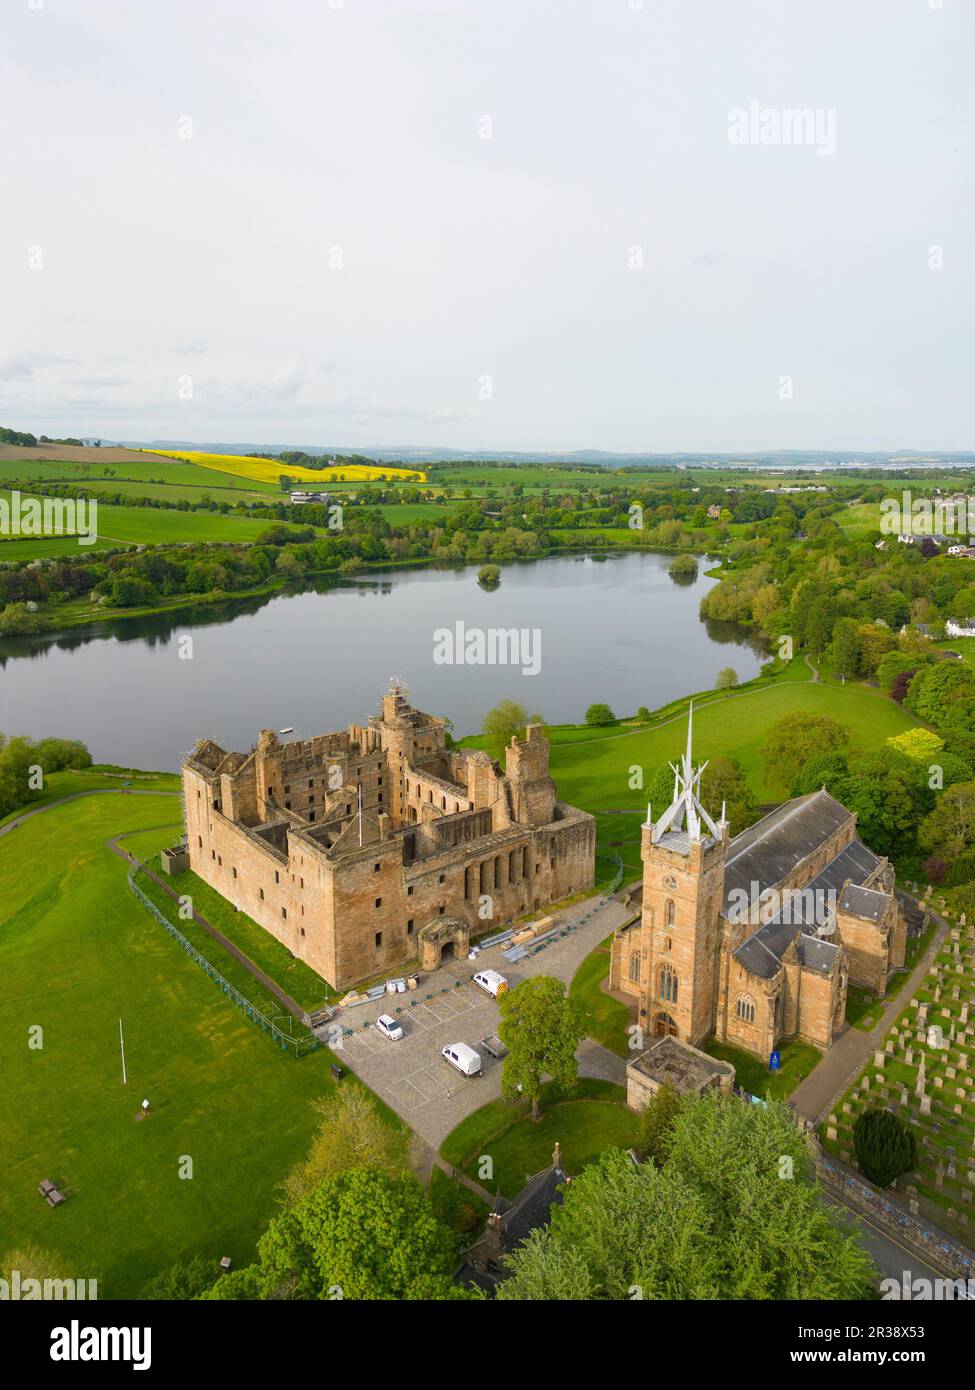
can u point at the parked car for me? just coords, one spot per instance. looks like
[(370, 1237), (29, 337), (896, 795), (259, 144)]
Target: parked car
[(491, 981), (389, 1027), (464, 1058)]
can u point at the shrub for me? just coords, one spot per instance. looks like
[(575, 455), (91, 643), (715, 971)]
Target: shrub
[(934, 869), (599, 715), (885, 1147)]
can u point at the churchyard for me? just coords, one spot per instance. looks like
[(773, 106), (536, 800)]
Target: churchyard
[(923, 1071)]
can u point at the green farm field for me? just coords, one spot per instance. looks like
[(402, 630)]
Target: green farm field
[(77, 953), (152, 469), (125, 526)]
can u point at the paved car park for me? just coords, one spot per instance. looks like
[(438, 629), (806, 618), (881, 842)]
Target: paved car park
[(413, 1078)]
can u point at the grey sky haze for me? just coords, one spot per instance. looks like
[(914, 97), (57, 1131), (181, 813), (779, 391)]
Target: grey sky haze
[(291, 211)]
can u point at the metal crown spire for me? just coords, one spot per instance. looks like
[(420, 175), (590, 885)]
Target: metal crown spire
[(686, 811)]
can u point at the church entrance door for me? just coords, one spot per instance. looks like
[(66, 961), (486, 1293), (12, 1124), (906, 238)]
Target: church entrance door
[(664, 1027)]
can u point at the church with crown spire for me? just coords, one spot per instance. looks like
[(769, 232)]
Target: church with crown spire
[(754, 940)]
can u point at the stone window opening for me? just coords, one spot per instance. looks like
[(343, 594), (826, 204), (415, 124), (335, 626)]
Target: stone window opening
[(669, 912), (745, 1008), (379, 939), (379, 902), (284, 913), (667, 984), (635, 967), (260, 894)]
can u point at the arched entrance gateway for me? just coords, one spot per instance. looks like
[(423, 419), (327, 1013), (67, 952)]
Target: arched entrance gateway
[(442, 932), (664, 1026)]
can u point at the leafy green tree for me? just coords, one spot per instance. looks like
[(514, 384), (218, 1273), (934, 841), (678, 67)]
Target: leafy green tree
[(598, 716), (844, 650), (352, 1134), (795, 738), (655, 1134), (884, 1145), (950, 827), (360, 1235), (726, 679), (725, 783), (541, 1028), (182, 1281), (734, 1213), (505, 722)]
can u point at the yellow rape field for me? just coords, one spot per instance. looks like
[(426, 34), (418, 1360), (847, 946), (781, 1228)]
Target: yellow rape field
[(269, 470)]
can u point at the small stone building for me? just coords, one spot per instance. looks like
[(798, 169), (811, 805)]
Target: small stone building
[(670, 1062), (510, 1223), (354, 847)]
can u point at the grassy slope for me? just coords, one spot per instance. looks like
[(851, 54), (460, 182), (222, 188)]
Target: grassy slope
[(607, 1019), (96, 778), (137, 526), (76, 953), (595, 773), (152, 468), (264, 950)]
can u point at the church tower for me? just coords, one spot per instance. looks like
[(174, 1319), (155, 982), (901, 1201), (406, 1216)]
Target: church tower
[(683, 889)]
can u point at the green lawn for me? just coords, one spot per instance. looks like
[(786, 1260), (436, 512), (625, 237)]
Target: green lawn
[(77, 952), (753, 1075), (607, 1020), (97, 778), (591, 1119), (125, 526), (964, 646), (863, 1009), (295, 977), (595, 772)]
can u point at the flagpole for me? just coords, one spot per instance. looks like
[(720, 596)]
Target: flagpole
[(121, 1043)]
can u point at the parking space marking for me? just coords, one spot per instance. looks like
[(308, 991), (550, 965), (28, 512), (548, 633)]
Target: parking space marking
[(406, 1094)]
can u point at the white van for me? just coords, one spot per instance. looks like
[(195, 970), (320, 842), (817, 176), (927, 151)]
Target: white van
[(464, 1058), (491, 981)]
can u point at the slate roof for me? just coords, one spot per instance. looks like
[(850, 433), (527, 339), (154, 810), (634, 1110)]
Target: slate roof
[(762, 952), (817, 954), (531, 1210), (867, 903), (767, 851)]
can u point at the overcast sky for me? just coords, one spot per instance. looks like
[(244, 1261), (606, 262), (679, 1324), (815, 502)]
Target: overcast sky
[(354, 222)]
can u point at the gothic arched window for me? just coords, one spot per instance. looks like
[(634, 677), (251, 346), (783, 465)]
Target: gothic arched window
[(667, 984), (669, 912), (745, 1008), (635, 967)]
